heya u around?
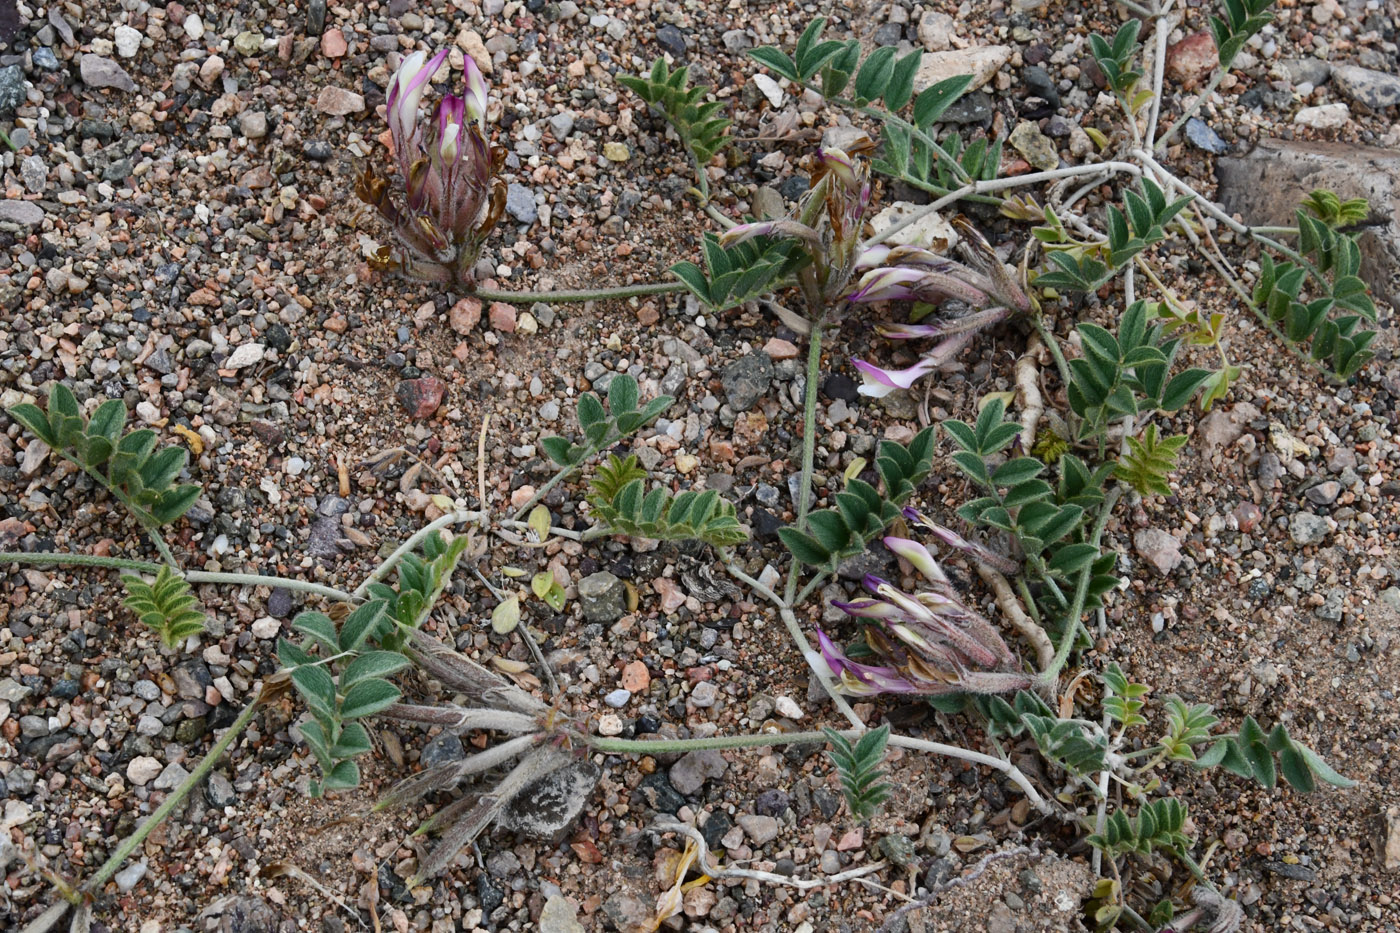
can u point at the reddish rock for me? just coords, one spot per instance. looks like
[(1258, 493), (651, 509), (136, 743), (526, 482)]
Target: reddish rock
[(1191, 61), (421, 397), (780, 349), (1248, 516), (339, 102), (333, 43), (175, 12), (503, 317), (464, 316), (636, 677)]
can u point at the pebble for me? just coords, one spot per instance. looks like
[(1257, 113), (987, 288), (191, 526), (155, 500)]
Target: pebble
[(266, 627), (1376, 90), (193, 26), (787, 706), (635, 677), (127, 41), (561, 125), (1038, 149), (99, 72), (760, 829), (769, 88), (691, 771), (602, 597), (1159, 548), (1203, 137), (616, 152), (618, 698), (219, 791), (520, 203), (670, 38), (253, 124), (12, 89), (1323, 117), (1324, 493), (130, 876), (936, 31), (339, 102), (444, 748), (171, 776), (24, 213), (559, 916), (704, 695), (746, 380), (1192, 60), (421, 397), (982, 63), (142, 769), (1306, 528)]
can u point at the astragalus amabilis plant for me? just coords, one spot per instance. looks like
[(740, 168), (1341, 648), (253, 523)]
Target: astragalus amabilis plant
[(931, 642), (452, 197)]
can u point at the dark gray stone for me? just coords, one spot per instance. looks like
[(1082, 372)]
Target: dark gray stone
[(12, 90), (546, 808), (1376, 89), (671, 39), (746, 380), (689, 774), (520, 204), (1203, 137), (445, 748), (602, 597)]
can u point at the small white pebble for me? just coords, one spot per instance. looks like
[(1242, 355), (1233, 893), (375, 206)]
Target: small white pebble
[(266, 627)]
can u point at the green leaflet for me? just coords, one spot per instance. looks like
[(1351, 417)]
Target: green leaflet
[(127, 464), (165, 605)]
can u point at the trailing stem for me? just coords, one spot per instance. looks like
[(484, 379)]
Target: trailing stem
[(193, 576), (766, 739)]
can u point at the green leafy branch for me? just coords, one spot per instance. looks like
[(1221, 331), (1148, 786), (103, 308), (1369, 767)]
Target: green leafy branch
[(1084, 267), (421, 582), (698, 125), (1250, 753), (1148, 462), (1242, 19), (601, 429), (1047, 522), (861, 513), (743, 271), (858, 767), (1124, 376), (1159, 824), (141, 477), (831, 67), (334, 734), (1329, 316), (167, 606), (622, 507)]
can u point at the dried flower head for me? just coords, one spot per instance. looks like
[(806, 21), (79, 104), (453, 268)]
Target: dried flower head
[(448, 170), (912, 273), (829, 220), (932, 642)]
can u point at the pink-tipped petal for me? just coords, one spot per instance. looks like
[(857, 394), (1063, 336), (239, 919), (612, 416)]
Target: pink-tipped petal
[(881, 382), (918, 557)]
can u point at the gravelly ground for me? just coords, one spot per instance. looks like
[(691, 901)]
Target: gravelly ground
[(189, 244)]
